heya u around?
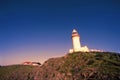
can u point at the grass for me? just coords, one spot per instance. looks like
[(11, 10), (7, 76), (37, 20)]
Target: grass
[(75, 66)]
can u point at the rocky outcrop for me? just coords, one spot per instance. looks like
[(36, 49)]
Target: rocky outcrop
[(75, 66)]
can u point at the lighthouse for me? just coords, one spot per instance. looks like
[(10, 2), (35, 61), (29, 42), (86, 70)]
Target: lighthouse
[(76, 41)]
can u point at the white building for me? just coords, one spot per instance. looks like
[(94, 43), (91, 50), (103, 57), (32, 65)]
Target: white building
[(76, 43), (31, 63)]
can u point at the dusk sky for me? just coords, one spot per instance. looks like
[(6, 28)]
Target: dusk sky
[(35, 30)]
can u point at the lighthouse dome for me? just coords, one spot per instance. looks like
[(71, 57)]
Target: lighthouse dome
[(75, 33)]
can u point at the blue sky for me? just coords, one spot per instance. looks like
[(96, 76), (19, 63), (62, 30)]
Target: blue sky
[(35, 30)]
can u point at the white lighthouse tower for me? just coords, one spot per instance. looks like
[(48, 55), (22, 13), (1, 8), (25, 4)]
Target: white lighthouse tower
[(76, 41)]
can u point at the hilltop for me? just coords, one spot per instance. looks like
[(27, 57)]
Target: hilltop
[(74, 66)]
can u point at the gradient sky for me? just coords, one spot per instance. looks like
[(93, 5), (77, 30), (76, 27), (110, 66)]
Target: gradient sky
[(35, 30)]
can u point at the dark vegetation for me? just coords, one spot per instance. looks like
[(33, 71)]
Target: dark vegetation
[(75, 66), (16, 72)]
